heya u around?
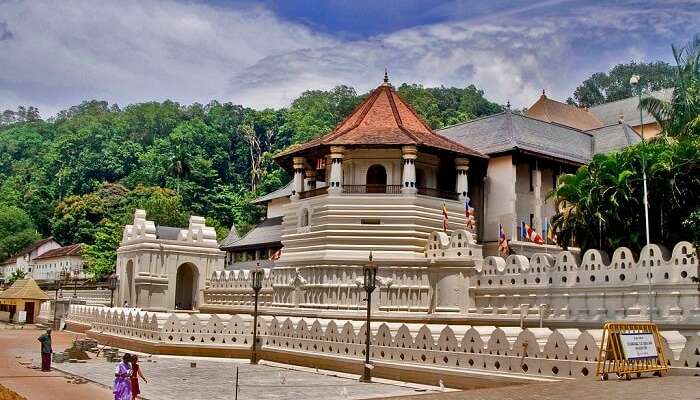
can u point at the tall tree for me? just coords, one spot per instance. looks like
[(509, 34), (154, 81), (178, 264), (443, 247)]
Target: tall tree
[(615, 85), (17, 231), (681, 116)]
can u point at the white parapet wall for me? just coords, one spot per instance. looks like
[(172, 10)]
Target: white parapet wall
[(563, 287), (564, 353)]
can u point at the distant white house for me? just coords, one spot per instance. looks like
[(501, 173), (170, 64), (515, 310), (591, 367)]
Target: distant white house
[(48, 266), (23, 260)]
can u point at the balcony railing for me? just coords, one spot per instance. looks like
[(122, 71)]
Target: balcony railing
[(387, 189), (443, 194), (313, 192)]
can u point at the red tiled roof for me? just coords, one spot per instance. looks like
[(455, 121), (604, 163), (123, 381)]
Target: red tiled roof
[(548, 110), (65, 251), (27, 250), (383, 118)]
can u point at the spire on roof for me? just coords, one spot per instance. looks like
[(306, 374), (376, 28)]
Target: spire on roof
[(386, 78), (508, 104), (543, 94)]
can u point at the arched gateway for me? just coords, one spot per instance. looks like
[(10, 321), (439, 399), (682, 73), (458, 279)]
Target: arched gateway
[(186, 285), (163, 268)]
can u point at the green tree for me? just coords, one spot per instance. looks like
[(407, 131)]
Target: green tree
[(681, 116), (101, 256), (15, 275), (615, 85), (17, 231), (317, 112)]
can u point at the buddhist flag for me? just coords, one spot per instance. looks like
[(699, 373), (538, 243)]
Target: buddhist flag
[(444, 217), (532, 235), (469, 213), (551, 235), (276, 255), (503, 246)]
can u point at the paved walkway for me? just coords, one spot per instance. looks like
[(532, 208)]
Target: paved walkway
[(645, 388), (173, 378)]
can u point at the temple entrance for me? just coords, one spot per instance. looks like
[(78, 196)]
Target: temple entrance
[(376, 179), (129, 284), (186, 285)]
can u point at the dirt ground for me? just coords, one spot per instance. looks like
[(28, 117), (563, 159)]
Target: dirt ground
[(19, 350)]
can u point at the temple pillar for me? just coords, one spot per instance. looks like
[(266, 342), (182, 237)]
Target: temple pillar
[(298, 183), (310, 179), (462, 165), (335, 183), (408, 175), (537, 199)]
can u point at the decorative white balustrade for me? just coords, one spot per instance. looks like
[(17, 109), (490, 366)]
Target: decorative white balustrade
[(537, 351)]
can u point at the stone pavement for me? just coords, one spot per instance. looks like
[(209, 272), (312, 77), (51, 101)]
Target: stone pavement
[(173, 377), (645, 388)]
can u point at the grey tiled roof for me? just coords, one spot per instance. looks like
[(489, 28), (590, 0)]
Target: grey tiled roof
[(167, 232), (609, 113), (231, 238), (508, 131), (267, 232), (613, 137), (284, 191)]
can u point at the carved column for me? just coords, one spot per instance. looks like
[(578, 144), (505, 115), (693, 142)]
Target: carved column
[(462, 165), (310, 179), (537, 199), (298, 185), (408, 176), (335, 184)]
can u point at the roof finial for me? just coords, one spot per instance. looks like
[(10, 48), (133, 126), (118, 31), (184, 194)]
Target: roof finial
[(508, 104), (543, 95), (386, 75)]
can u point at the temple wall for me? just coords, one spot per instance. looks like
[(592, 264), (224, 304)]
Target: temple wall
[(455, 279), (539, 352)]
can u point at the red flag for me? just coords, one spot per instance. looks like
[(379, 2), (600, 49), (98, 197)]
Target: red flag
[(503, 246), (533, 236), (444, 217), (276, 255)]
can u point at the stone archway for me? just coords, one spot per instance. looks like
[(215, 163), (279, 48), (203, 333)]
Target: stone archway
[(129, 284), (376, 179), (186, 287)]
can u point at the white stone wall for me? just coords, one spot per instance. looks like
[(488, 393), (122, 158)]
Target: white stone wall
[(594, 287), (563, 353)]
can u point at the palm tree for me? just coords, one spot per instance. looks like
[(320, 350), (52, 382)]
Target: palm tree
[(681, 116), (179, 166)]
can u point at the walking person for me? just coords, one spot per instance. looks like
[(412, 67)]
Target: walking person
[(46, 351), (122, 379), (135, 374)]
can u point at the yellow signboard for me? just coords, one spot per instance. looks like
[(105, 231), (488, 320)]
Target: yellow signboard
[(630, 348)]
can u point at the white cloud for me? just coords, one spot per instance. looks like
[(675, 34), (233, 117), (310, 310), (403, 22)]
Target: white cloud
[(63, 52), (57, 54)]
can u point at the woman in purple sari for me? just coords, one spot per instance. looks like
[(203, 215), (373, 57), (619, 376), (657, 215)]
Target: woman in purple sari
[(122, 380)]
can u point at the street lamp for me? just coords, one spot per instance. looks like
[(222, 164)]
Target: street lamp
[(257, 277), (112, 282), (61, 276), (369, 272), (634, 81)]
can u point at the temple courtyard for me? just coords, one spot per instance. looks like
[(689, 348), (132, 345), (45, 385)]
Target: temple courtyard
[(173, 377)]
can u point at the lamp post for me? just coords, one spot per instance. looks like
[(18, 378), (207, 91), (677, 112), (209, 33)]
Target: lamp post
[(257, 278), (369, 272), (634, 81), (61, 276), (74, 273), (112, 282)]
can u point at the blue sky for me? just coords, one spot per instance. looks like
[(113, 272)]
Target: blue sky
[(265, 53)]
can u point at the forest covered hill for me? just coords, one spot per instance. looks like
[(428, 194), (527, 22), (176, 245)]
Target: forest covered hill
[(78, 176)]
